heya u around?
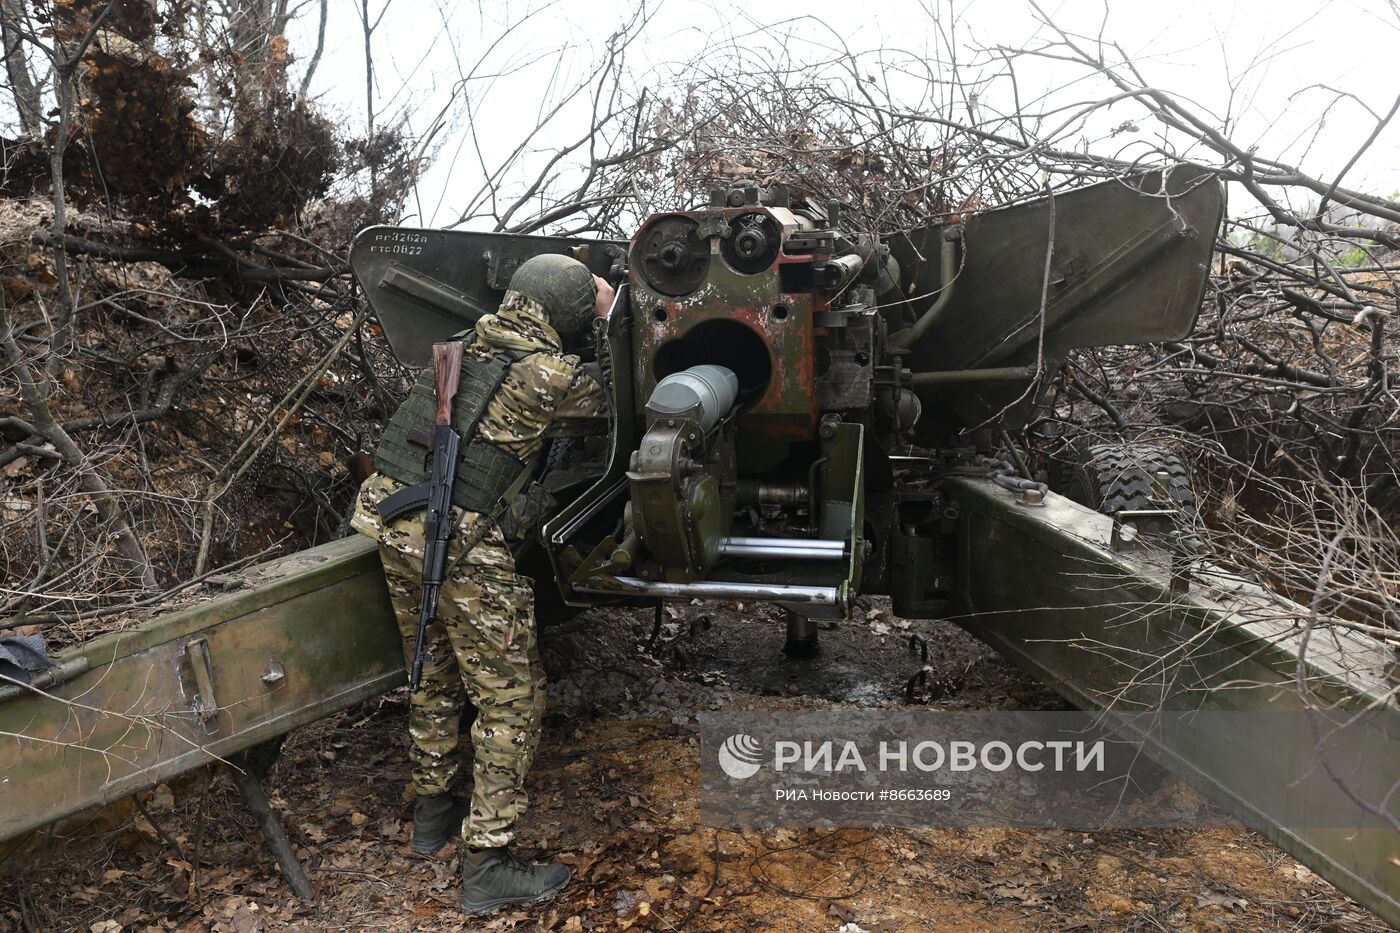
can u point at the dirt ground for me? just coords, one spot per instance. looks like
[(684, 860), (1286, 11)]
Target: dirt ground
[(615, 791)]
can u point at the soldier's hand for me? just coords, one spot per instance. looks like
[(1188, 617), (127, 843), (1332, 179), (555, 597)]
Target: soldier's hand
[(606, 293)]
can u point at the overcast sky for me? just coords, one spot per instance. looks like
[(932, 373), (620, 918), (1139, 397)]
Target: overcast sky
[(1275, 65)]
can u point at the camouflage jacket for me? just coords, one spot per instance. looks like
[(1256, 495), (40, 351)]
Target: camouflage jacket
[(547, 394)]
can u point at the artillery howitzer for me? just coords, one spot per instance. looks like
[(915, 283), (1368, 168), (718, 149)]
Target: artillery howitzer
[(773, 376), (770, 368)]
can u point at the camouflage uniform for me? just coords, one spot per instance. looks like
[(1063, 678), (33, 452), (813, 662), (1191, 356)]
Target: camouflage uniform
[(483, 639)]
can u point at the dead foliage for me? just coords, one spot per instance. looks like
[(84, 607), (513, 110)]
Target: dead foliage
[(187, 373), (136, 139), (281, 157)]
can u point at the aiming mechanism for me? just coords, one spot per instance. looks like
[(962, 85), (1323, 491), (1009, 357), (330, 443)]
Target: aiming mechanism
[(773, 370)]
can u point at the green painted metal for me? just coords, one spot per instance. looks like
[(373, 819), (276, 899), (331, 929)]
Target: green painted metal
[(1126, 263), (579, 539), (952, 376), (311, 634), (843, 498), (1043, 586), (426, 285)]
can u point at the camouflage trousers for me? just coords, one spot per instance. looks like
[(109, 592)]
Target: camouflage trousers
[(481, 647)]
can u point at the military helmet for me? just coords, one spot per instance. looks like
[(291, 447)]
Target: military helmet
[(565, 288)]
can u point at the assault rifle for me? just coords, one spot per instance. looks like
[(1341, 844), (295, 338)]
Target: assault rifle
[(438, 526)]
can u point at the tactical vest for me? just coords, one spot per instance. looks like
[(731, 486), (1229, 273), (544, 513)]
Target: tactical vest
[(485, 472)]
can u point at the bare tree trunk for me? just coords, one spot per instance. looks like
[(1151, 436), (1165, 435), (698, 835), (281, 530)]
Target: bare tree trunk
[(22, 86), (369, 69), (65, 77), (316, 55), (369, 85)]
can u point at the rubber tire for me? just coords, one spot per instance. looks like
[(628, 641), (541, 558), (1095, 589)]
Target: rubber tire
[(563, 453), (1112, 478), (572, 453)]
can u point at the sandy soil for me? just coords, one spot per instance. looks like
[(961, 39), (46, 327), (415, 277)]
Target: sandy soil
[(615, 792)]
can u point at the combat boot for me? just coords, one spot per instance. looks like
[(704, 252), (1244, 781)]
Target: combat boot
[(437, 819), (492, 878)]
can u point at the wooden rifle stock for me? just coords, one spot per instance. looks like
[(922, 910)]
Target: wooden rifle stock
[(447, 370)]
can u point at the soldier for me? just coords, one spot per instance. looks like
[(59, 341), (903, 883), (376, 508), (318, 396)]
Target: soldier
[(481, 645)]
